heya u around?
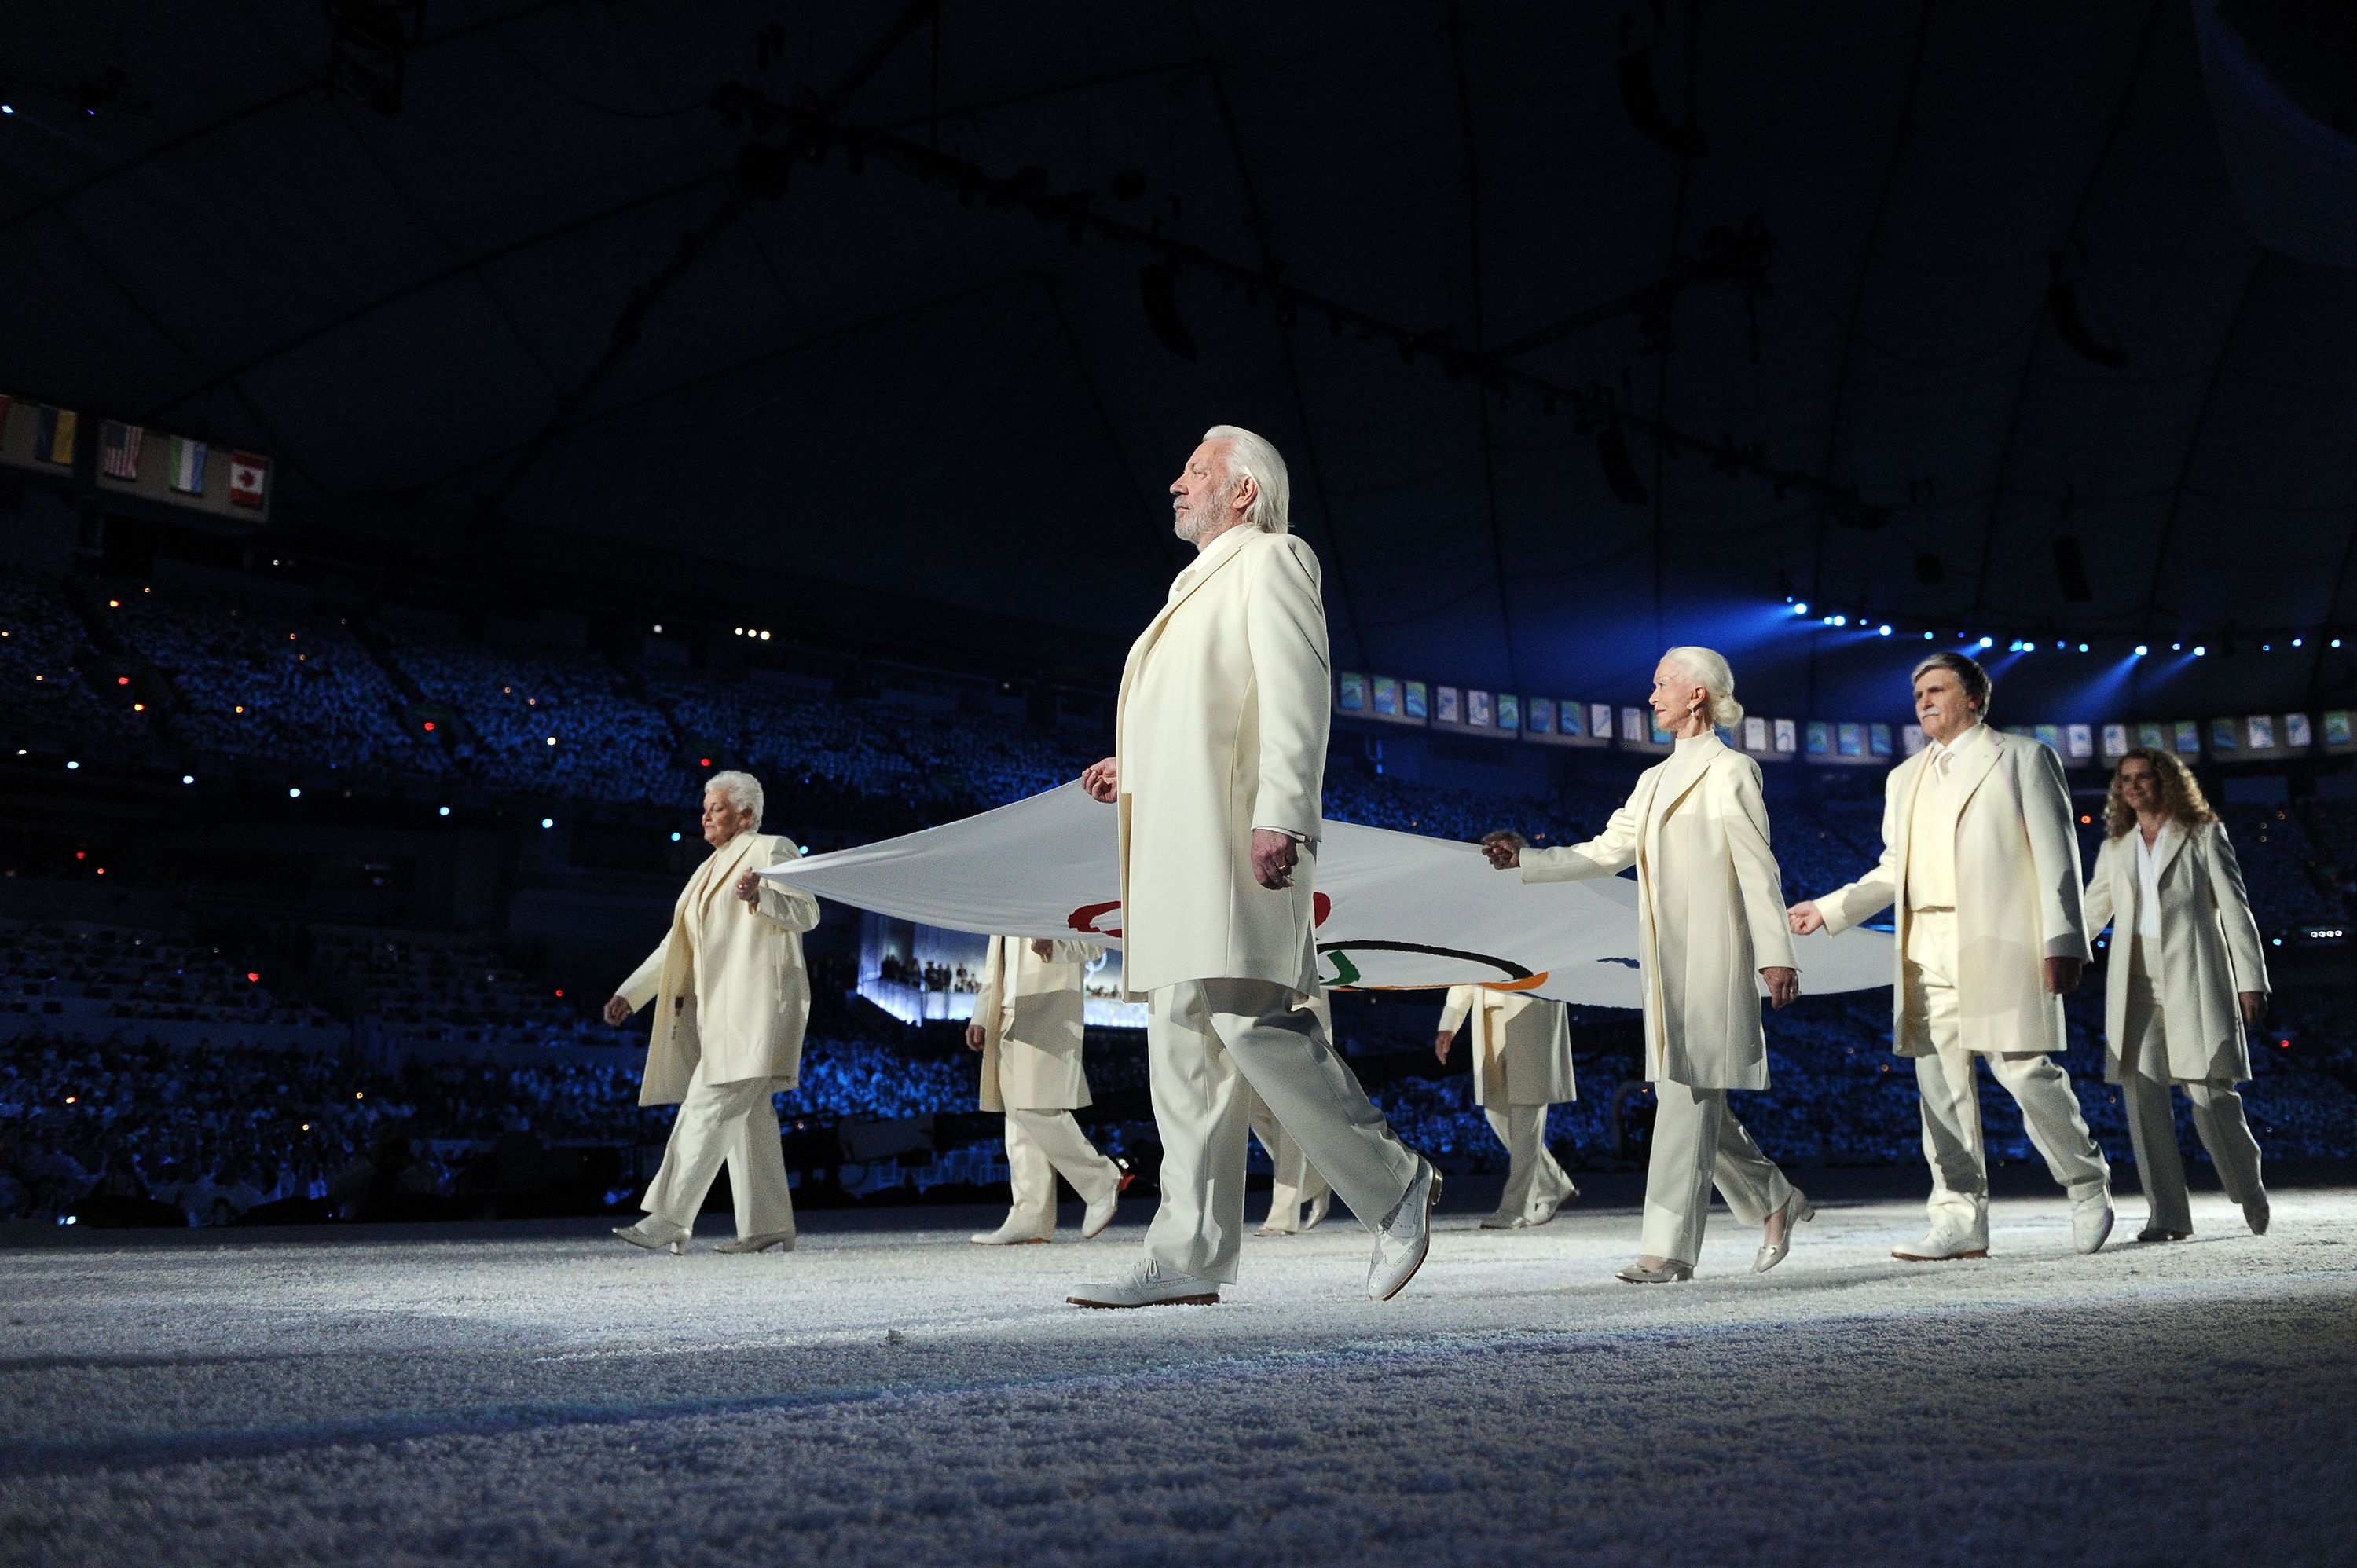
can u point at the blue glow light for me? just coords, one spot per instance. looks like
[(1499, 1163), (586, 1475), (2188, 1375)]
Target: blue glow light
[(1989, 642), (2199, 650), (548, 821), (1882, 630), (1927, 636), (674, 838), (441, 811), (1801, 609), (1840, 620), (2082, 648), (2142, 651), (294, 793), (2296, 641)]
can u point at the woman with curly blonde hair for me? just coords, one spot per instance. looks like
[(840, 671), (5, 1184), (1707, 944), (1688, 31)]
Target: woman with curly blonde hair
[(2186, 977)]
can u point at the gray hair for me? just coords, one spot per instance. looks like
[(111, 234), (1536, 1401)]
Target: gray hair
[(741, 789), (1978, 687), (1251, 456), (1708, 668)]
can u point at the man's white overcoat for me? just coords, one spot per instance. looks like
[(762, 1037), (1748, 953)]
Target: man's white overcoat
[(1521, 1044), (1221, 729), (1034, 1062)]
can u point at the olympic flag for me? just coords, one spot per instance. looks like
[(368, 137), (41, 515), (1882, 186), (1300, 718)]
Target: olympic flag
[(1395, 911)]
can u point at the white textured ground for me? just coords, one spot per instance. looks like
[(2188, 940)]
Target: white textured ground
[(890, 1395)]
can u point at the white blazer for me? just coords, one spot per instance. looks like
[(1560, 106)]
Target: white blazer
[(1221, 729), (1710, 908), (2208, 950), (1035, 1063), (2018, 901), (727, 978), (1521, 1044)]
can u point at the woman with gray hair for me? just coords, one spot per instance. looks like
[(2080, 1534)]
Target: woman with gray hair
[(731, 998), (1711, 932)]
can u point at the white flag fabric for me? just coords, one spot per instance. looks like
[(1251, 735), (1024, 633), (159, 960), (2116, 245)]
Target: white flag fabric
[(1395, 911)]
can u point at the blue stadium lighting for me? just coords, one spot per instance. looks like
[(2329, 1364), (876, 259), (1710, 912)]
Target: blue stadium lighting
[(2142, 649), (1801, 609), (188, 778), (1989, 642), (2266, 648), (2061, 648), (294, 793), (441, 811), (1882, 630), (1927, 636), (2082, 648), (2176, 648), (1840, 620), (548, 821), (2296, 641), (674, 838), (7, 108), (73, 767), (2199, 651)]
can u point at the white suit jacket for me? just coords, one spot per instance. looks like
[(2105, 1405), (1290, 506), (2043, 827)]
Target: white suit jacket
[(1034, 1063), (727, 978), (1222, 729), (2018, 901), (1521, 1045), (2208, 950), (1710, 906)]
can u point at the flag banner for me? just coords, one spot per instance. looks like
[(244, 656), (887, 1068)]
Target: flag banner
[(187, 466), (56, 443), (1393, 910), (248, 476), (118, 449)]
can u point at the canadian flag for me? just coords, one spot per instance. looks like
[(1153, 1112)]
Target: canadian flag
[(249, 477)]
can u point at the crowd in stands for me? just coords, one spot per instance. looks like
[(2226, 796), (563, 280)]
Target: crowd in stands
[(927, 976), (49, 668), (137, 975)]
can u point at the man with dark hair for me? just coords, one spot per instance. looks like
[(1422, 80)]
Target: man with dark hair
[(1981, 861)]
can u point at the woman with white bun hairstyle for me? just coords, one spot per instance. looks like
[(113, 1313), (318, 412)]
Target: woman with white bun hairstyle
[(1711, 934)]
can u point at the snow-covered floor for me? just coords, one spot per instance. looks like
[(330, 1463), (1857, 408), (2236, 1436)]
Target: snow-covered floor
[(888, 1394)]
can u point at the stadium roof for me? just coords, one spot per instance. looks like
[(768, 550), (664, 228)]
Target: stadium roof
[(1585, 329)]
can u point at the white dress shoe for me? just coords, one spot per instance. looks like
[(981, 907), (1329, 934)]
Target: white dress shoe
[(2256, 1215), (1146, 1285), (1797, 1210), (656, 1236), (1324, 1201), (1404, 1236), (1007, 1235), (2090, 1223), (1941, 1245), (1668, 1272), (783, 1241), (1100, 1214), (1504, 1222), (1275, 1226)]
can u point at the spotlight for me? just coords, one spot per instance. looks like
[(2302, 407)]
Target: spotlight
[(2082, 648), (73, 767), (188, 778), (674, 838), (1989, 642), (2176, 648), (2061, 648), (1927, 636), (294, 792), (2266, 648), (1882, 630), (441, 811), (1801, 609), (2142, 651), (548, 821), (11, 109), (1840, 620), (2297, 642), (2199, 650)]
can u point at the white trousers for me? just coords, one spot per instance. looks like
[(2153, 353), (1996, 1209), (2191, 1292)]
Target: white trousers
[(1296, 1181), (1699, 1143), (1205, 1041), (2218, 1117), (1041, 1145), (1950, 1094), (733, 1121), (1535, 1184)]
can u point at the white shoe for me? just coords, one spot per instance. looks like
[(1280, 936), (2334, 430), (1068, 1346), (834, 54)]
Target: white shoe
[(1552, 1210), (1146, 1285), (1941, 1245), (656, 1236), (1501, 1220), (2256, 1215), (1797, 1208), (1324, 1201), (1275, 1226), (783, 1241), (1100, 1214), (2091, 1222), (1006, 1235), (1404, 1236)]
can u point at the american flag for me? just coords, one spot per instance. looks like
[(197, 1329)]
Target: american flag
[(119, 449)]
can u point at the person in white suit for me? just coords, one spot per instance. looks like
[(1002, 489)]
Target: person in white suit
[(2185, 980), (731, 998), (1981, 858), (1217, 777), (1522, 1065), (1710, 935), (1029, 1025)]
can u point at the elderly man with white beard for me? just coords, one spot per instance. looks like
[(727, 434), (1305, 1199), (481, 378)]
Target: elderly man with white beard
[(731, 998), (1218, 775)]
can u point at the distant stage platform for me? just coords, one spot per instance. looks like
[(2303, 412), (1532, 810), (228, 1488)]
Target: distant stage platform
[(890, 1394)]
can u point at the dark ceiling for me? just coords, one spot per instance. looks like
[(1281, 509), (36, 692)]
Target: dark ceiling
[(1903, 308)]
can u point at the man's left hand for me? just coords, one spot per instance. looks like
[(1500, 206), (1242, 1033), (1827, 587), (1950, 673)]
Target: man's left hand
[(1783, 986), (2255, 1008), (748, 887), (1275, 855), (1041, 948), (2063, 975)]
